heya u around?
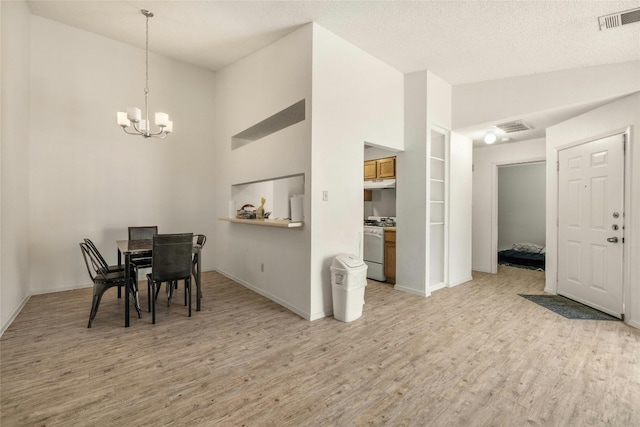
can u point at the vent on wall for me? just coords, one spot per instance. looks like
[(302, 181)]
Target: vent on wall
[(513, 126), (618, 19)]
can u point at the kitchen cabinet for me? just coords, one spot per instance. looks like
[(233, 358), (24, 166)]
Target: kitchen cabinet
[(368, 195), (380, 168), (390, 255), (370, 170)]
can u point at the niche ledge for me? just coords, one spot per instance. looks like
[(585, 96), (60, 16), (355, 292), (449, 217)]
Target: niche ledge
[(283, 119)]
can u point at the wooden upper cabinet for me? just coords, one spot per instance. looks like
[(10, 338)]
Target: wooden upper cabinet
[(386, 168), (380, 169), (370, 169)]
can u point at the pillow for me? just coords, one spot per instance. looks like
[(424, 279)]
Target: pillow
[(527, 247)]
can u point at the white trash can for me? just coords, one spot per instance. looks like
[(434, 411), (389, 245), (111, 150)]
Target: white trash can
[(348, 280)]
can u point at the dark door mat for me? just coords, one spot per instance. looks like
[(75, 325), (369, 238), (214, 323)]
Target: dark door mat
[(568, 308)]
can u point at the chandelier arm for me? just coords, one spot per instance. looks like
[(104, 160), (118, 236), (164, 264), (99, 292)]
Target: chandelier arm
[(125, 129)]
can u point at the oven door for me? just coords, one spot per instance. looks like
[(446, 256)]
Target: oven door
[(373, 255), (373, 247)]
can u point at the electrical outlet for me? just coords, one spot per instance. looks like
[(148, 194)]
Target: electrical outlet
[(262, 267), (325, 195)]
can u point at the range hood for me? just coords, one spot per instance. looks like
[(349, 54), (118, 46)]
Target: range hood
[(379, 183)]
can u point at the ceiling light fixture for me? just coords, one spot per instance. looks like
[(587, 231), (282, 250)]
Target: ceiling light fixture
[(490, 138), (134, 115)]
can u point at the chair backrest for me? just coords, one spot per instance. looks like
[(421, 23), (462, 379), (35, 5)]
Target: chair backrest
[(96, 253), (200, 239), (90, 260), (171, 259), (144, 232)]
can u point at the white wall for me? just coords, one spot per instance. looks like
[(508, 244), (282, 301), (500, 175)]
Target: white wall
[(521, 204), (87, 177), (14, 157), (411, 196), (317, 66), (611, 118), (427, 108), (356, 99), (460, 209), (485, 164), (247, 92), (486, 101), (382, 203)]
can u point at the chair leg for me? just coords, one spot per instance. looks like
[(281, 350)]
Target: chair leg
[(169, 293), (136, 298), (153, 305), (149, 293), (187, 285), (97, 297)]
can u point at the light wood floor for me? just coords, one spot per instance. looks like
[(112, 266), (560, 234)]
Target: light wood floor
[(477, 354)]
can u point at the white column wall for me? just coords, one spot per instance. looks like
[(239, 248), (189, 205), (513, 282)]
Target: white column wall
[(411, 191), (356, 99), (427, 106), (247, 92), (14, 157), (613, 117), (460, 209), (87, 177)]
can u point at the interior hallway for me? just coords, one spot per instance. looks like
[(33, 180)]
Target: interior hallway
[(476, 354)]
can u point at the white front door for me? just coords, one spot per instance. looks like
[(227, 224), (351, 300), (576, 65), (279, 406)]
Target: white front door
[(590, 223)]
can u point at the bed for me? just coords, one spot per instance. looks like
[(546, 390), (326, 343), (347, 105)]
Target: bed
[(523, 255)]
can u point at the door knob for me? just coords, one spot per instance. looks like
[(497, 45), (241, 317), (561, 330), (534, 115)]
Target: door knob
[(612, 239)]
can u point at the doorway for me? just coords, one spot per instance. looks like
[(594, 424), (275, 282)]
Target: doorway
[(521, 214)]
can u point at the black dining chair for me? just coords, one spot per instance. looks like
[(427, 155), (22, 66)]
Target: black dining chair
[(103, 263), (171, 261), (104, 280), (200, 240), (141, 233)]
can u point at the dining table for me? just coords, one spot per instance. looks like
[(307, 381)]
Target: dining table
[(145, 247)]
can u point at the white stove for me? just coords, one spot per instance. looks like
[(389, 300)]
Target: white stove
[(373, 253)]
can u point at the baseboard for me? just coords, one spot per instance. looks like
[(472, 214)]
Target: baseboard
[(460, 282), (411, 290), (265, 294), (436, 286), (633, 323), (66, 288), (14, 315)]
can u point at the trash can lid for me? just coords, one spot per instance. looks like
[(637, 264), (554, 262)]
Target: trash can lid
[(346, 261)]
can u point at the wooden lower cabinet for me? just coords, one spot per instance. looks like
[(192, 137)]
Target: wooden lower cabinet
[(390, 256)]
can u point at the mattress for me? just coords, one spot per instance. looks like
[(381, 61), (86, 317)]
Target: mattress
[(519, 258)]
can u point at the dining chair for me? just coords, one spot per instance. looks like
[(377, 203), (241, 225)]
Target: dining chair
[(200, 240), (141, 233), (171, 262), (103, 263), (104, 280)]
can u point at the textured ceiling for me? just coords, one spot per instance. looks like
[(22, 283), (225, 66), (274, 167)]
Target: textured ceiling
[(461, 41)]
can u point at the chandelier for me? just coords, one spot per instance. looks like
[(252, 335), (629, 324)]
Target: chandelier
[(132, 121)]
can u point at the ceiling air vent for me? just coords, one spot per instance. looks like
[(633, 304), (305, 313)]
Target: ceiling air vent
[(514, 126), (618, 19)]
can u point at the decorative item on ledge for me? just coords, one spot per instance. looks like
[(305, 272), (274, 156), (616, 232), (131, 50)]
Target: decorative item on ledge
[(134, 115), (246, 212)]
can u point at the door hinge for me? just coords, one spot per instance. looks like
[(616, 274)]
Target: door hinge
[(623, 240)]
